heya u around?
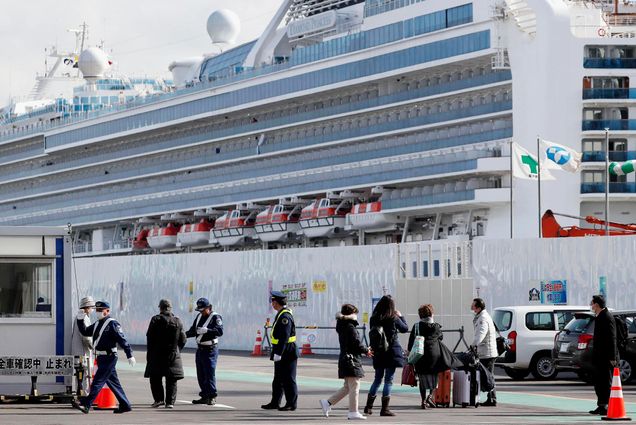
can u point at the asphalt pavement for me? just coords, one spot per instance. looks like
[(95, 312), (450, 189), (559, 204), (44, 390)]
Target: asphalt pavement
[(244, 384)]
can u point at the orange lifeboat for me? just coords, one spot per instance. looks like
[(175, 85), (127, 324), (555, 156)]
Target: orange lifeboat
[(278, 222), (163, 237), (141, 240), (234, 227), (369, 216), (324, 217), (195, 233)]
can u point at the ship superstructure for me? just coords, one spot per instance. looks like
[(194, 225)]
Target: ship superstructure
[(346, 122)]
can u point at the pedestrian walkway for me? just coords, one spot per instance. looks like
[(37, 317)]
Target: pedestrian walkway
[(245, 384)]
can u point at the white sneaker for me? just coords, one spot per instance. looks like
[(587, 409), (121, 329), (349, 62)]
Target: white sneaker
[(355, 416), (326, 407)]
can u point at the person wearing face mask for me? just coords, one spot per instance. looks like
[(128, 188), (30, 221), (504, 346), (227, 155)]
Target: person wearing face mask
[(107, 334), (604, 353), (82, 346), (485, 343), (206, 328)]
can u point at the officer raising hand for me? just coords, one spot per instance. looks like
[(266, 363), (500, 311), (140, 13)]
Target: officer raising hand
[(284, 354)]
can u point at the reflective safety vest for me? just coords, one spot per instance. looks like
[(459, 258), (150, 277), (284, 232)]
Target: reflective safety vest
[(292, 338)]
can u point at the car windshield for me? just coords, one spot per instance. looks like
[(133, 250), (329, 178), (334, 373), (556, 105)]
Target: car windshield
[(503, 319), (579, 324)]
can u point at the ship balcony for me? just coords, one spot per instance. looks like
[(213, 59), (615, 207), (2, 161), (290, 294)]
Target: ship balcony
[(609, 94), (600, 125), (614, 187), (609, 63), (599, 156)]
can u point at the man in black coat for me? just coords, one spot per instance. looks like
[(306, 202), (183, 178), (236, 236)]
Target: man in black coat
[(165, 339), (604, 353)]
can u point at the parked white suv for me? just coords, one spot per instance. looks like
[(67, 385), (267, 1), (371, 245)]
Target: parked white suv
[(530, 331)]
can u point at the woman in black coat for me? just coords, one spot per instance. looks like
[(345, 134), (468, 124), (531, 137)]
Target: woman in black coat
[(349, 361), (386, 316), (165, 339), (427, 366)]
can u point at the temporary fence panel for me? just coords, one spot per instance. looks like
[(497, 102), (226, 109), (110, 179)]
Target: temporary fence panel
[(437, 273), (317, 281), (555, 270)]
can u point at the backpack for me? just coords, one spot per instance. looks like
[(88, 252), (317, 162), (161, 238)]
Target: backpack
[(378, 340), (621, 332)]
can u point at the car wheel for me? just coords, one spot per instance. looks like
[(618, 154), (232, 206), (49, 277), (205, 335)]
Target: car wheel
[(543, 367), (627, 371), (516, 374)]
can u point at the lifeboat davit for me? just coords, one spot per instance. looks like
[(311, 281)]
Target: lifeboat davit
[(278, 223), (163, 237), (323, 218), (195, 234), (233, 228), (141, 240), (369, 216)]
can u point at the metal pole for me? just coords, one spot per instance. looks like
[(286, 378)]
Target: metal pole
[(539, 184), (607, 181), (511, 178)]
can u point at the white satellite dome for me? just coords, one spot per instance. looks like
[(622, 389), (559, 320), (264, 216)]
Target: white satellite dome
[(223, 26), (93, 62)]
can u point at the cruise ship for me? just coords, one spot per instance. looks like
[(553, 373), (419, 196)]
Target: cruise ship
[(347, 122)]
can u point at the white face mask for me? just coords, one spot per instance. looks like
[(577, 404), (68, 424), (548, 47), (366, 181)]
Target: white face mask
[(103, 314)]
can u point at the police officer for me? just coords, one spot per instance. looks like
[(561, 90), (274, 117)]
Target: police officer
[(106, 333), (206, 328), (284, 354)]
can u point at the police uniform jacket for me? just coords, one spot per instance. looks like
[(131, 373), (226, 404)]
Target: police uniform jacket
[(111, 336), (604, 347), (165, 338), (284, 329), (215, 330)]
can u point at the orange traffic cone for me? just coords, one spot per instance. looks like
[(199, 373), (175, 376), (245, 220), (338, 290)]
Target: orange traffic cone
[(306, 349), (258, 345), (616, 409), (105, 400)]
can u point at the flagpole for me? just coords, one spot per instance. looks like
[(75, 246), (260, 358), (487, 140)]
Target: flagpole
[(511, 178), (607, 181), (539, 184)]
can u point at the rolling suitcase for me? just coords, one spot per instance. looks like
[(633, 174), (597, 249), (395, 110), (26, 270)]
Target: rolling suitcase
[(442, 395), (466, 388)]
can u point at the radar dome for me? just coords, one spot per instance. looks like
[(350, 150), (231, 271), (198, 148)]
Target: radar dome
[(93, 62), (223, 26)]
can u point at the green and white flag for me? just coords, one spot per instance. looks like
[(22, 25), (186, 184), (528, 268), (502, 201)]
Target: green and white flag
[(621, 168), (526, 166)]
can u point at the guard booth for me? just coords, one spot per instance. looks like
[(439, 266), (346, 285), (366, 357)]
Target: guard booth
[(35, 314)]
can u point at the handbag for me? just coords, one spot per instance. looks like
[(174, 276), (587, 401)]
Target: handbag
[(502, 344), (417, 350), (408, 375)]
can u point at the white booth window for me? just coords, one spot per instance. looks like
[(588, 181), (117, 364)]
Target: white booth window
[(26, 290)]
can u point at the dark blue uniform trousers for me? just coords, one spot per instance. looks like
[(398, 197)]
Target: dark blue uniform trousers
[(206, 371), (106, 375), (285, 380)]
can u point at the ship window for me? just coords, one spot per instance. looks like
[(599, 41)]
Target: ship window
[(323, 203), (436, 268), (278, 208), (235, 214), (425, 268), (593, 177), (26, 290)]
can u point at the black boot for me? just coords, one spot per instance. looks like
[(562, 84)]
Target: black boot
[(368, 409), (385, 407)]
